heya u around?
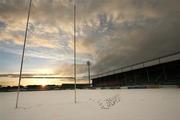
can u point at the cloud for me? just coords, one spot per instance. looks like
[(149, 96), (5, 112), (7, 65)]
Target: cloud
[(33, 41), (68, 70), (110, 33), (140, 30), (2, 25), (40, 42), (17, 39), (14, 16)]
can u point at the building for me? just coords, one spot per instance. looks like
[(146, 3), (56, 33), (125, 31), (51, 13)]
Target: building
[(167, 73)]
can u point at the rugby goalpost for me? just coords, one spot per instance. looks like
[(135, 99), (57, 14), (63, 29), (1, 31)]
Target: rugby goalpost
[(24, 47)]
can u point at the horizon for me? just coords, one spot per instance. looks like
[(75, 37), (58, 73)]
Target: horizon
[(110, 34)]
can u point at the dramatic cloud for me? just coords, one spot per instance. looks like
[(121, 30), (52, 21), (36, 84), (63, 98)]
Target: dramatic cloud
[(110, 33)]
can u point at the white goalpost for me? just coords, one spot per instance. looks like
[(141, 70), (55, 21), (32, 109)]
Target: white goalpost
[(75, 53), (24, 47)]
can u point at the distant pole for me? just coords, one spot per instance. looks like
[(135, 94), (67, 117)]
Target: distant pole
[(89, 76), (22, 59), (75, 53)]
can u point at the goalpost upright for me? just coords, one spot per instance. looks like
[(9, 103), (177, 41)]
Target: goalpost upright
[(22, 58), (74, 17)]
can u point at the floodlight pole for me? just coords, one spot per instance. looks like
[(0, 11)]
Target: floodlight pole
[(75, 54), (89, 76), (24, 47)]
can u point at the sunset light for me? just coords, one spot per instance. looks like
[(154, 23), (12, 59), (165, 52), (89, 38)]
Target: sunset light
[(89, 59)]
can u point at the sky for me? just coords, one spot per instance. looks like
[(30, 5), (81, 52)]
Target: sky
[(110, 34)]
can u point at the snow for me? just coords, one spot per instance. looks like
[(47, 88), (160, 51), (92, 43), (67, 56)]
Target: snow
[(120, 104)]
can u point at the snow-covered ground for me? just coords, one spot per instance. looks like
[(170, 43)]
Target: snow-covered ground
[(124, 104)]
